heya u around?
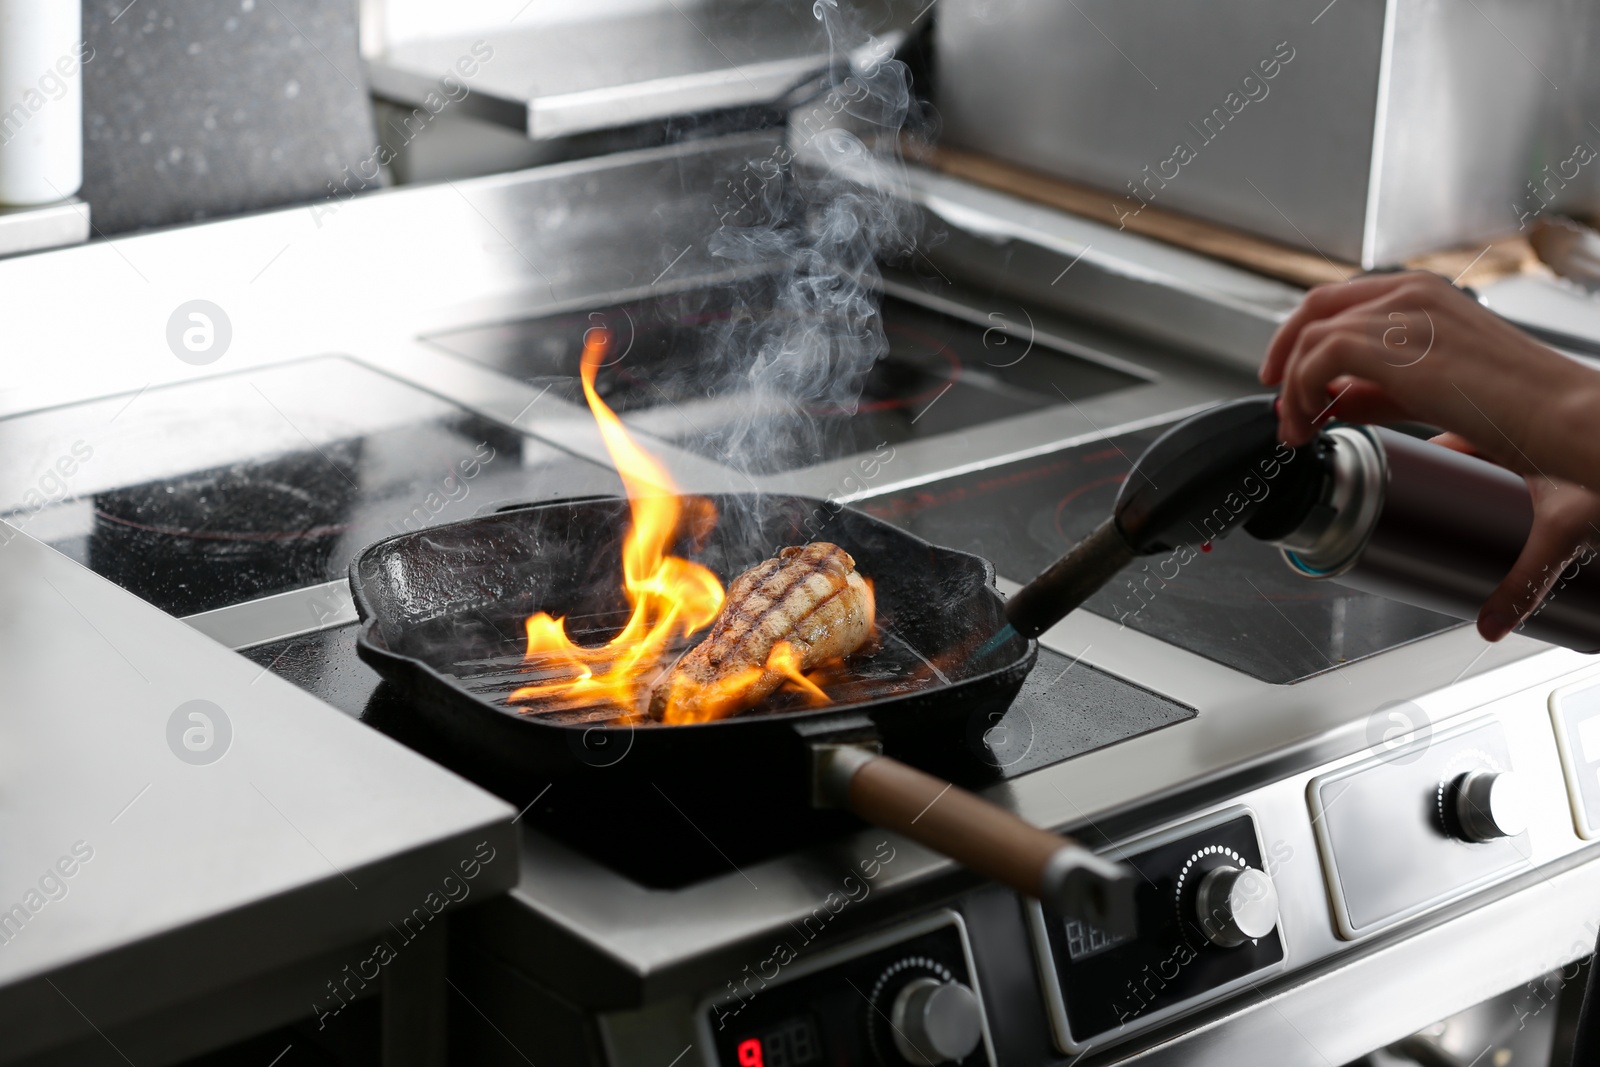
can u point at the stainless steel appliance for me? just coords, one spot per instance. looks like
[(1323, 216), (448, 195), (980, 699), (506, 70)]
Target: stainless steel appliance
[(1366, 131), (1270, 754)]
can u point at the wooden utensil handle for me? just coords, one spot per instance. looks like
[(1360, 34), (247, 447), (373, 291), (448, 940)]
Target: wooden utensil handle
[(983, 837)]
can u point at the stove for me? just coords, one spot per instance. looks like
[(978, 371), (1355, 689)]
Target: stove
[(306, 463), (1279, 760), (1066, 708), (1235, 602), (940, 373), (225, 490)]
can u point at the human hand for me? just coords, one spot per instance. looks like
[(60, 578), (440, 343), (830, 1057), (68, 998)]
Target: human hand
[(1566, 524), (1395, 347)]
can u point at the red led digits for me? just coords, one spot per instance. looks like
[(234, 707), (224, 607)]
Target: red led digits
[(794, 1042)]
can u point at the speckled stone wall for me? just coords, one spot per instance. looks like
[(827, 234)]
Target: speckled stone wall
[(195, 109)]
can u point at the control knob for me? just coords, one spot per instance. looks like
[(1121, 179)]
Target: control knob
[(936, 1022), (1488, 805), (1236, 905)]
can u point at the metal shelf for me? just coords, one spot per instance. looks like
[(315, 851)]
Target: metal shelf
[(563, 80)]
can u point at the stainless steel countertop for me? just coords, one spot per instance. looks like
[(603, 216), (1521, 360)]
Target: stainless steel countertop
[(310, 831)]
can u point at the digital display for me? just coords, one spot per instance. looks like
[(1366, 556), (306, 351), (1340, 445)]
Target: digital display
[(1084, 940), (791, 1043)]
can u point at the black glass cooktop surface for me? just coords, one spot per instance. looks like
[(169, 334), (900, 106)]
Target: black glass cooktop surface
[(209, 493), (1236, 603), (1066, 708), (681, 364)]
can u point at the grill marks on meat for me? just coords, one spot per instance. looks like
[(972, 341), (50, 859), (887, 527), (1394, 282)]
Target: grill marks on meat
[(809, 596)]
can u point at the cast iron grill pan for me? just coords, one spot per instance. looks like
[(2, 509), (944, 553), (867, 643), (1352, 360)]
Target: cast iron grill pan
[(443, 609)]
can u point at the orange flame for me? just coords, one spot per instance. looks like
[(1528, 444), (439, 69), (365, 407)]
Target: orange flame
[(671, 598), (738, 690), (785, 661)]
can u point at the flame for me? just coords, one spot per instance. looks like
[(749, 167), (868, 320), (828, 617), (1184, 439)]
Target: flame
[(785, 661), (741, 689), (670, 598), (687, 703)]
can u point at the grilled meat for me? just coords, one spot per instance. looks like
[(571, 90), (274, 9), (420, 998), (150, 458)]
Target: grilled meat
[(809, 597)]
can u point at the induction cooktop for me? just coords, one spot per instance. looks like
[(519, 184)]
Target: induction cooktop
[(681, 367), (213, 492), (1065, 709), (1236, 602)]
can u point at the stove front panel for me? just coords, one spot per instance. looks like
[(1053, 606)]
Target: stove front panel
[(1234, 913), (1101, 988), (909, 995), (1385, 868)]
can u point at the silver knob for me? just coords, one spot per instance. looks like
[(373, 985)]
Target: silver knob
[(1236, 905), (936, 1022), (1490, 804)]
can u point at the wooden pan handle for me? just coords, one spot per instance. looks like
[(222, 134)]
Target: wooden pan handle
[(1057, 871)]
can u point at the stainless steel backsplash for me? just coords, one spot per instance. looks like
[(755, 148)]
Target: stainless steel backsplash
[(1366, 130)]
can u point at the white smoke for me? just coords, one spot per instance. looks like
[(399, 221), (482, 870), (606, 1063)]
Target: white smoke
[(814, 218)]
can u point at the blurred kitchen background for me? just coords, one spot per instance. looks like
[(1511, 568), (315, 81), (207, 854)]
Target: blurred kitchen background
[(1386, 131), (1300, 142)]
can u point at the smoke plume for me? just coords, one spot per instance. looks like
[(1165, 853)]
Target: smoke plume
[(812, 221)]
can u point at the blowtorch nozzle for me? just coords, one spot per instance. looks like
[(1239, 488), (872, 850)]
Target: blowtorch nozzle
[(1220, 469)]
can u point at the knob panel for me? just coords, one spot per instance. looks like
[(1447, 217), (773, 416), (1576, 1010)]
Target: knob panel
[(1102, 987), (1389, 831), (902, 995)]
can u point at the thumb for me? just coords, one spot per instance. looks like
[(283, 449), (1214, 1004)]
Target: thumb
[(1551, 546)]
